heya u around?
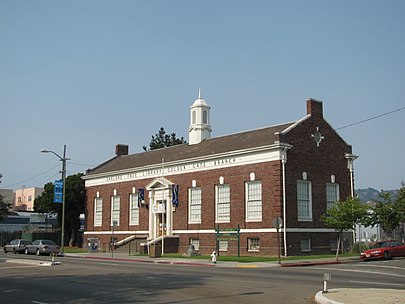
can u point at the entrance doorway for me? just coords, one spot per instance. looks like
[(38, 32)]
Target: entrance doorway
[(161, 218)]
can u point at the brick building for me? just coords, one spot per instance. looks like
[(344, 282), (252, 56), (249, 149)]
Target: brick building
[(181, 194)]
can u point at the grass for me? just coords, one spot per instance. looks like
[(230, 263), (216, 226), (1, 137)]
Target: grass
[(242, 259)]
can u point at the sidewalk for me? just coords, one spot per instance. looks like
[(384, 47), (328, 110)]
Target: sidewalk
[(333, 296)]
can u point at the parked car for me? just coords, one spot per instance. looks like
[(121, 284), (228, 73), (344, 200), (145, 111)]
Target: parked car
[(384, 250), (39, 247), (16, 246)]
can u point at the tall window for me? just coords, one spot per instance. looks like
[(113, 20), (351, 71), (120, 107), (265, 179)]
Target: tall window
[(223, 203), (98, 211), (194, 210), (304, 200), (205, 117), (133, 209), (332, 194), (254, 201), (115, 210)]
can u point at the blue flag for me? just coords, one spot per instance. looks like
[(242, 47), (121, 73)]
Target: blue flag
[(58, 191), (175, 195), (141, 196)]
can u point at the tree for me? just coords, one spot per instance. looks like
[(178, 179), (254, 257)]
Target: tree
[(75, 202), (345, 215), (4, 207), (161, 140), (388, 213)]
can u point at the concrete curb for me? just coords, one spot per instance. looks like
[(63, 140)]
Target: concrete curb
[(321, 299)]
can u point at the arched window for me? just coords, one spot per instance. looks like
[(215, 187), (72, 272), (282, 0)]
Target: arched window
[(205, 117), (194, 117)]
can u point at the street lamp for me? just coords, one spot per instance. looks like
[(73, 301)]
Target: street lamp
[(63, 160)]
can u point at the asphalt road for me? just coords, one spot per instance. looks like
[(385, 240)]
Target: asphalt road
[(92, 281)]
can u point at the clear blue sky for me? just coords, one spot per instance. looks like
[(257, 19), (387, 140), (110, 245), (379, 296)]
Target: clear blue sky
[(92, 74)]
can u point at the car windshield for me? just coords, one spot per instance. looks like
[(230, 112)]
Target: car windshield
[(46, 242)]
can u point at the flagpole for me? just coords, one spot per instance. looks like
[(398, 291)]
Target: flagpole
[(163, 199)]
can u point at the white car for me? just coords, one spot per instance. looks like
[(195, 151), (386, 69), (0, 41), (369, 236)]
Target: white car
[(16, 246), (39, 247)]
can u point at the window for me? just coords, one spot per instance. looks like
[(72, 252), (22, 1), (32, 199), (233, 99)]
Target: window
[(19, 199), (115, 210), (195, 243), (223, 203), (205, 117), (304, 201), (29, 198), (253, 244), (254, 201), (133, 209), (194, 210), (332, 195), (194, 117), (223, 245), (305, 244), (98, 211), (333, 244)]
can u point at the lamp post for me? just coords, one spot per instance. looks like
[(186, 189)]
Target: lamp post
[(63, 160)]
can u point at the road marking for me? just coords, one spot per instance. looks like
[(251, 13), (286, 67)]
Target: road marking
[(109, 264), (361, 271), (383, 266), (18, 267), (376, 283), (37, 302)]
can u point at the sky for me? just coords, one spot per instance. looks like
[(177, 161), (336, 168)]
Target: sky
[(93, 74)]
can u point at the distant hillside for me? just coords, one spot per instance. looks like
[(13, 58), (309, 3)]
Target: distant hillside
[(372, 194)]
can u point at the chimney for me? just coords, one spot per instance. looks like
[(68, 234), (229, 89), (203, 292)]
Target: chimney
[(121, 150), (314, 107)]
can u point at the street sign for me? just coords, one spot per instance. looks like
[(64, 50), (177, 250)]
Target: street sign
[(58, 191)]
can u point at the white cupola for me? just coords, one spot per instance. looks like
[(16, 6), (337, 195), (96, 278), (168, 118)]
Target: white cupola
[(200, 127)]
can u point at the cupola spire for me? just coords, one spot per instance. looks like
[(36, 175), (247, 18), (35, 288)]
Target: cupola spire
[(200, 127)]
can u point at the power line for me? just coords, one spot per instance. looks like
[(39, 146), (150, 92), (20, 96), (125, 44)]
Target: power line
[(368, 119), (31, 178)]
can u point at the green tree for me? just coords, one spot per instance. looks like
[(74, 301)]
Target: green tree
[(388, 213), (161, 140), (4, 207), (343, 216), (75, 202)]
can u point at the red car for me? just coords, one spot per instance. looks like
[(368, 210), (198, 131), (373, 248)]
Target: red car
[(384, 250)]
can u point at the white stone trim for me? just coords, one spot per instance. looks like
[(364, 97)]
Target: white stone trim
[(219, 161)]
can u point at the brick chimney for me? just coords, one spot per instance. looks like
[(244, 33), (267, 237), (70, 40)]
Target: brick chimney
[(314, 107), (121, 150)]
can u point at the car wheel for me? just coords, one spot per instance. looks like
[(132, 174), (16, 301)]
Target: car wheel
[(38, 253), (26, 251), (387, 255), (5, 250)]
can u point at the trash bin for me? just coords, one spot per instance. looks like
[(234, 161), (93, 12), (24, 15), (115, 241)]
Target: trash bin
[(155, 250)]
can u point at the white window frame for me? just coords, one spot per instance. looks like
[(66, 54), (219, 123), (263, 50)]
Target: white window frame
[(223, 245), (332, 194), (304, 200), (196, 243), (307, 244), (115, 212), (194, 205), (98, 212), (133, 209), (254, 244), (222, 203), (253, 197)]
